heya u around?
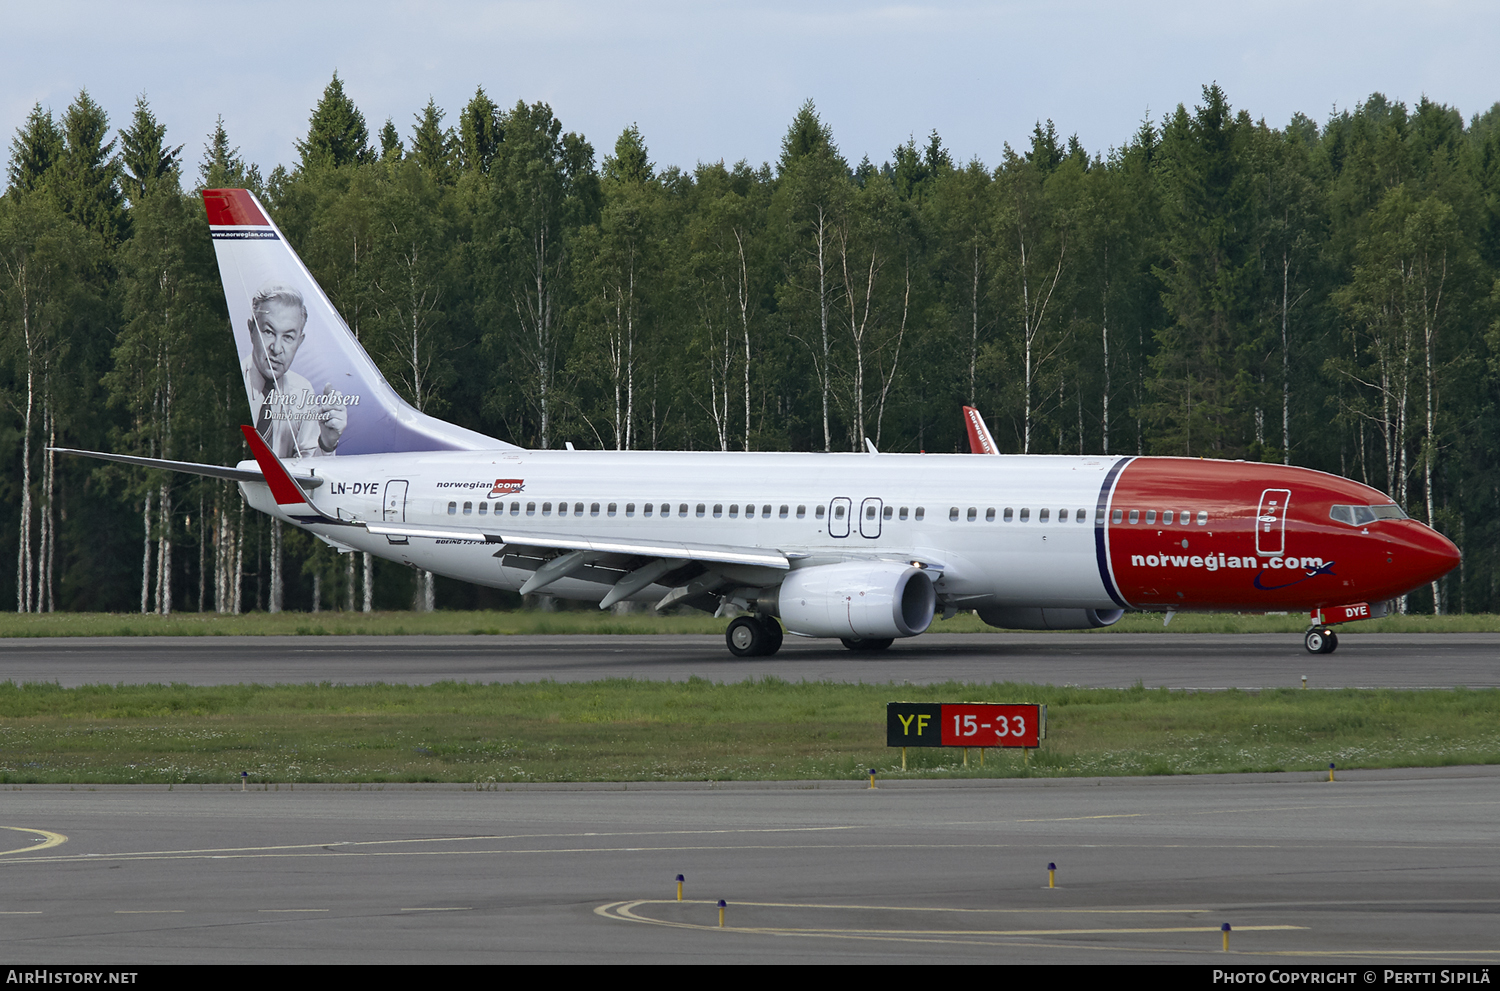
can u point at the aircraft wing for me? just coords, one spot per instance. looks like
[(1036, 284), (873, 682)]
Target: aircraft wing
[(190, 467), (635, 547)]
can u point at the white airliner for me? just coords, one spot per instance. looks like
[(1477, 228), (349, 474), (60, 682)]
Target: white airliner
[(863, 547)]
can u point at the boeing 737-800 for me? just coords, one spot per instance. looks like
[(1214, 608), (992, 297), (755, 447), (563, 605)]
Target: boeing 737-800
[(864, 547)]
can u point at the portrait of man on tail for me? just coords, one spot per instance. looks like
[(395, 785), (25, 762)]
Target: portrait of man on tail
[(294, 420)]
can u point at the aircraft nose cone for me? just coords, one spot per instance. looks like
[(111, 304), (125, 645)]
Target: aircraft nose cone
[(1432, 555)]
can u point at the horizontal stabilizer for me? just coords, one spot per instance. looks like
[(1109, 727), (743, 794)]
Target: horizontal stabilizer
[(190, 467)]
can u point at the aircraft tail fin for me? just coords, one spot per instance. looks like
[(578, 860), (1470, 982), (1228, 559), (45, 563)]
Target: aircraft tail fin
[(313, 390), (980, 441)]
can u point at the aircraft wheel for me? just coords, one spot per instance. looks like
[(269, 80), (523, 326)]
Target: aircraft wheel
[(867, 645), (773, 636), (1321, 641), (746, 637)]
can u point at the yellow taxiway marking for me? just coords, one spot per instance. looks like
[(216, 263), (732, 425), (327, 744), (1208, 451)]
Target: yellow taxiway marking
[(625, 911), (1180, 910), (48, 839), (339, 846)]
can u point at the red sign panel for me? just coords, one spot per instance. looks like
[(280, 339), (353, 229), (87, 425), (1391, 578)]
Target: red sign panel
[(982, 724)]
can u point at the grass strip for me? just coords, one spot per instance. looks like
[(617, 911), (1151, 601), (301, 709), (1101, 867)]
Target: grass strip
[(593, 621), (625, 730)]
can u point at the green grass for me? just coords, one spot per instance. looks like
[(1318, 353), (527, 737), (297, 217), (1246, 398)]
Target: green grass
[(698, 730), (591, 621)]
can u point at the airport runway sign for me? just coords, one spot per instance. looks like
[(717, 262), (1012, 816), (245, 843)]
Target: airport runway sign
[(965, 724)]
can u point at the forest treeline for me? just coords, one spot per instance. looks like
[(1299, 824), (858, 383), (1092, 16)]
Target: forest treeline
[(1319, 295)]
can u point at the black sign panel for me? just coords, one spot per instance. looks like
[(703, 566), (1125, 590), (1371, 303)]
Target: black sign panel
[(913, 724)]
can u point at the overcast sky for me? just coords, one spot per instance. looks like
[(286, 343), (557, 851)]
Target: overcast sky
[(709, 81)]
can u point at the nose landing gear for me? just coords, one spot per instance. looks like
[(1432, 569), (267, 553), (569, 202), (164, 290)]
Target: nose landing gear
[(1321, 640)]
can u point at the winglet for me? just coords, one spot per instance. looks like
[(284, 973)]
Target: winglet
[(980, 441), (285, 491)]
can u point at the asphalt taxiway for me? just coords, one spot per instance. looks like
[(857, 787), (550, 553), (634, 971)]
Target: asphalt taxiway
[(1380, 867), (1119, 660)]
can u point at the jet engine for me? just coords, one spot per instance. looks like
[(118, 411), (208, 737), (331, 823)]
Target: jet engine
[(858, 600), (1036, 618)]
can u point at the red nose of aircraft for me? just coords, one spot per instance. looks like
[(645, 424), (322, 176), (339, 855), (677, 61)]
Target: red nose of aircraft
[(1421, 554)]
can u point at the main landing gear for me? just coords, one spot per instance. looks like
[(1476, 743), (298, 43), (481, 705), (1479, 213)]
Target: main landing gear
[(867, 645), (751, 636), (1321, 640)]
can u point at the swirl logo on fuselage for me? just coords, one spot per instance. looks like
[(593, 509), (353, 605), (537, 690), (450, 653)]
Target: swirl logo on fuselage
[(1313, 572)]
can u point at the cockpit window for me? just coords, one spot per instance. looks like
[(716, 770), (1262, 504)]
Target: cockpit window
[(1361, 515)]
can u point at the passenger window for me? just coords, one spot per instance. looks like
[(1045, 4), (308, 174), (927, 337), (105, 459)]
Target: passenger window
[(630, 509), (802, 511), (973, 514), (682, 509), (1185, 517), (515, 509), (1009, 514), (1025, 515), (1150, 516), (1166, 518), (920, 513), (1062, 516), (700, 509), (484, 508), (1079, 515), (903, 512), (577, 509), (1117, 516), (869, 512), (989, 515), (887, 513), (611, 509), (734, 511), (819, 513), (1043, 518), (1135, 516), (783, 512), (953, 514), (452, 509), (1202, 517), (546, 509), (765, 511), (468, 509), (562, 509), (647, 510), (838, 512)]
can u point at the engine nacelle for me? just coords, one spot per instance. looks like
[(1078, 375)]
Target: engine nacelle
[(1036, 618), (859, 600)]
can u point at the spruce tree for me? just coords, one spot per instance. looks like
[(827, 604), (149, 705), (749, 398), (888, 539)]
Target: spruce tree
[(146, 158), (391, 149), (87, 175), (222, 167), (35, 149), (432, 144), (336, 132), (481, 130)]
